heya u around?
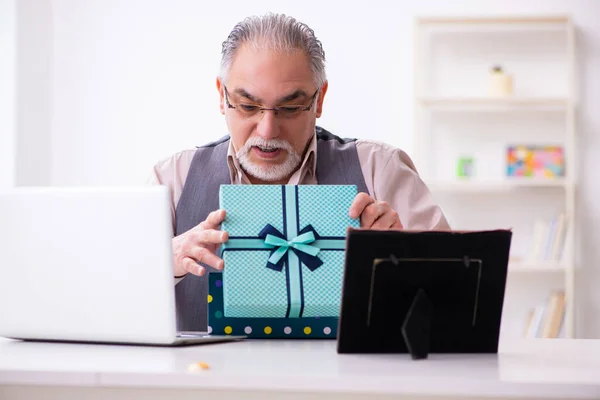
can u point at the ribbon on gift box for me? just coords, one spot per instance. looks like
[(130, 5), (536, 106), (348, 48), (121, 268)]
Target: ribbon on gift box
[(307, 254), (290, 249)]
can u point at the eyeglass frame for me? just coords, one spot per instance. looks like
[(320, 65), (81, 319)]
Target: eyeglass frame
[(262, 110)]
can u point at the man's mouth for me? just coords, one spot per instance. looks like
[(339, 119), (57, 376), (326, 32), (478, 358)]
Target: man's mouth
[(267, 149)]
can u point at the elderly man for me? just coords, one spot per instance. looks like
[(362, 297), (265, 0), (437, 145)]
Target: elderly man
[(272, 85)]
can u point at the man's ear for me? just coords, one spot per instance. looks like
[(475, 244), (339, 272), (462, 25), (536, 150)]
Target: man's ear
[(221, 89), (320, 99)]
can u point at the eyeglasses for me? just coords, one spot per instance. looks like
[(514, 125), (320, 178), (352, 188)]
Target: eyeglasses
[(286, 112)]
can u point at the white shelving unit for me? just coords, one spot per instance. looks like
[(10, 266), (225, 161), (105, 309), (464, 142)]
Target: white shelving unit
[(498, 185), (455, 116)]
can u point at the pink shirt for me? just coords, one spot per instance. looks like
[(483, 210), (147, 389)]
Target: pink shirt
[(389, 173)]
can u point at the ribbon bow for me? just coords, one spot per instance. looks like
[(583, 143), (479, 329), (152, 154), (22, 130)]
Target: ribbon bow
[(299, 245)]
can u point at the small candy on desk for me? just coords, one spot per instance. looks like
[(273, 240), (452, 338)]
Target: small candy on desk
[(197, 366)]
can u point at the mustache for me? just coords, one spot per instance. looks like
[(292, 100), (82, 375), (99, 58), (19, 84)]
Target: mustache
[(267, 144)]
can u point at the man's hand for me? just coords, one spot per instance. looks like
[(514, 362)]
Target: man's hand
[(199, 244), (374, 214)]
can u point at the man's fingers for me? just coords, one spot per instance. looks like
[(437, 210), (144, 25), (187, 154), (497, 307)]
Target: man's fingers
[(361, 201), (210, 236), (386, 221), (198, 246), (371, 213), (205, 256), (397, 225), (213, 220), (192, 266), (374, 214)]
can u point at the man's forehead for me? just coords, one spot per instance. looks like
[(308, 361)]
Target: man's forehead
[(260, 69)]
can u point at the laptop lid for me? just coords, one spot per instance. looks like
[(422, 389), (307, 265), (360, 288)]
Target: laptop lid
[(87, 264)]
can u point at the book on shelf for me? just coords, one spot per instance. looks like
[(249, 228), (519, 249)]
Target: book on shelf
[(548, 239), (546, 320)]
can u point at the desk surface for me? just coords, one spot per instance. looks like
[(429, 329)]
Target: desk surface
[(544, 368)]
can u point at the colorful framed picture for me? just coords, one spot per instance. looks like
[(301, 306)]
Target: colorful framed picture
[(535, 161)]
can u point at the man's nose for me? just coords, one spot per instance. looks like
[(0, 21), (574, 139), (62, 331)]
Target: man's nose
[(267, 127)]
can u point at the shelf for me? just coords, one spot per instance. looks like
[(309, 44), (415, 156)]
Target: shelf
[(455, 115), (543, 266), (496, 186), (495, 103), (501, 20), (550, 23)]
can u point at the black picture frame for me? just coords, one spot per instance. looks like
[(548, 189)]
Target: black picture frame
[(423, 292)]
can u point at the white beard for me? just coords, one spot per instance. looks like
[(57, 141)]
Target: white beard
[(272, 172)]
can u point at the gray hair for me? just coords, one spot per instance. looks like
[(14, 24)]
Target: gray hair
[(279, 33)]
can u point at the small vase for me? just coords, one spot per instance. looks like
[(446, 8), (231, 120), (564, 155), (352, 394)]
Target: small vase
[(500, 83)]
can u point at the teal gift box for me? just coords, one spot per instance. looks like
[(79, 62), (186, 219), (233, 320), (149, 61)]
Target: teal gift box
[(284, 260)]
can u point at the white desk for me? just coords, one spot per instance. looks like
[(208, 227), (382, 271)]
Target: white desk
[(265, 370)]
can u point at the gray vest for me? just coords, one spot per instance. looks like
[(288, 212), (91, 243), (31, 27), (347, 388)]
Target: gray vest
[(337, 164)]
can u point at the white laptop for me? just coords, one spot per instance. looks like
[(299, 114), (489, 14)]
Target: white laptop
[(89, 264)]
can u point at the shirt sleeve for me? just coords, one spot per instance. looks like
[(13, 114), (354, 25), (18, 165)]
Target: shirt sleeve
[(172, 172), (155, 179), (392, 177)]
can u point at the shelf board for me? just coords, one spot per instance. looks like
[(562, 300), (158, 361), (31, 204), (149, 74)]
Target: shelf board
[(517, 19), (509, 102), (495, 186), (543, 266), (550, 23)]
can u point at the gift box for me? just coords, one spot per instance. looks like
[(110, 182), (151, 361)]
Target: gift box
[(284, 259), (263, 328)]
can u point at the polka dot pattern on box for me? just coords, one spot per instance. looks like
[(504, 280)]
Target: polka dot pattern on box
[(307, 330), (261, 330)]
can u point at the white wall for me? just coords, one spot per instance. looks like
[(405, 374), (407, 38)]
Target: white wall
[(8, 62), (133, 81), (34, 93)]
